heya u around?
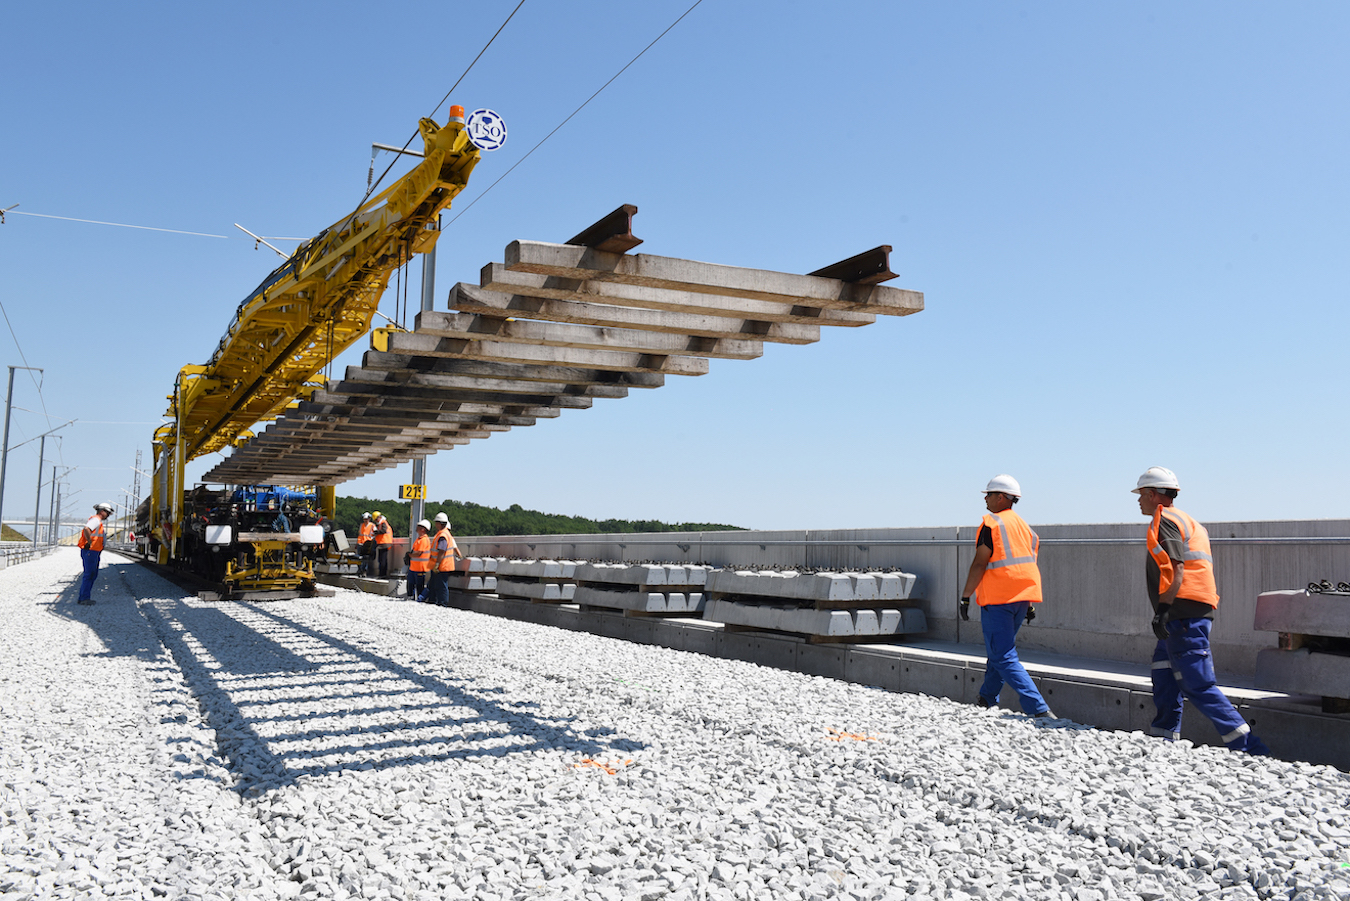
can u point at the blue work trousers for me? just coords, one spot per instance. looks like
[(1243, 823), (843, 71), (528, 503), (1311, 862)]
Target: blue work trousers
[(1183, 669), (90, 560), (439, 591), (417, 584), (1000, 623)]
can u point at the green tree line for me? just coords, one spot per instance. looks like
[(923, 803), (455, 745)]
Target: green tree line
[(475, 519)]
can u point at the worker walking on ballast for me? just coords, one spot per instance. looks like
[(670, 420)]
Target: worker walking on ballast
[(1184, 595), (91, 549), (1005, 581)]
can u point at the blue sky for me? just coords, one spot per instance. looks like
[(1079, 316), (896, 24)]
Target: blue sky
[(1130, 224)]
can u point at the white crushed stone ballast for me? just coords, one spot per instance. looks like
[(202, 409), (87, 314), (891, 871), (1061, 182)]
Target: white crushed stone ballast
[(156, 746)]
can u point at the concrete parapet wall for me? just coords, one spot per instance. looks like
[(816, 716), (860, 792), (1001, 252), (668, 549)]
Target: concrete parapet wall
[(1096, 603)]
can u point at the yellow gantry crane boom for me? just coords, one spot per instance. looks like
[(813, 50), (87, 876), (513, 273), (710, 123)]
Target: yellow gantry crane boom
[(310, 309)]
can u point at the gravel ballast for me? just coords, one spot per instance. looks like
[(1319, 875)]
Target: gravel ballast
[(155, 746)]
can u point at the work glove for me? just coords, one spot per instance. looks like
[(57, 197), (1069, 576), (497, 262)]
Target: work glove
[(1160, 625), (965, 608), (1031, 612)]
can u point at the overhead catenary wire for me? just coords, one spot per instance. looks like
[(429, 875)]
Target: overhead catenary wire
[(151, 228), (575, 111), (100, 421)]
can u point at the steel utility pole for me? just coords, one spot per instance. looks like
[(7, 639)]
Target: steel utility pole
[(37, 504), (51, 510), (419, 464), (4, 451), (136, 484), (54, 505), (58, 513)]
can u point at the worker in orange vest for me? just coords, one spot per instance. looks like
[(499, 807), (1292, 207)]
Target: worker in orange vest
[(365, 546), (91, 549), (1005, 580), (419, 562), (384, 541), (444, 550), (1179, 573)]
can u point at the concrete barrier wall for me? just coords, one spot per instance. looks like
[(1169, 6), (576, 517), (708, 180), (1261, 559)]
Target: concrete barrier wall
[(1096, 603), (15, 552)]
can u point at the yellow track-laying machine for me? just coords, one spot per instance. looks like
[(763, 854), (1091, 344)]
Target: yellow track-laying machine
[(260, 541)]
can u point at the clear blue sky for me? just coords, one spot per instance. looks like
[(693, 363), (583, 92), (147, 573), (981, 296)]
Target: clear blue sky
[(1130, 223)]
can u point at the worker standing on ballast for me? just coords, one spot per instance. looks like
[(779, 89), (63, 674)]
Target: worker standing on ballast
[(419, 562), (91, 549), (1005, 580), (444, 550), (384, 542), (1184, 594)]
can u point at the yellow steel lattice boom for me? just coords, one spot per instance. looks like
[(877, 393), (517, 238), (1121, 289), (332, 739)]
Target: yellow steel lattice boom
[(310, 309)]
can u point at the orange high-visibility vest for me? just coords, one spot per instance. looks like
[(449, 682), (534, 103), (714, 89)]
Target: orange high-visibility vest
[(1197, 584), (95, 528), (386, 536), (447, 562), (421, 555), (366, 533), (1012, 574)]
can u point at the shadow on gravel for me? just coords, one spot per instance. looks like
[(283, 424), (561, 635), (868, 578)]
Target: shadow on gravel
[(113, 616), (249, 683)]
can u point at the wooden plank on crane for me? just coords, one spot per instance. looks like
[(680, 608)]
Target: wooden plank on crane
[(499, 277), (471, 299), (413, 344), (405, 369), (358, 444), (361, 431), (390, 417), (645, 270), (489, 393), (473, 327), (343, 401), (386, 382)]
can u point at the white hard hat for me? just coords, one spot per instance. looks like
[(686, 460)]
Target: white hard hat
[(441, 517), (103, 506), (365, 516), (1157, 477), (1004, 484), (423, 524)]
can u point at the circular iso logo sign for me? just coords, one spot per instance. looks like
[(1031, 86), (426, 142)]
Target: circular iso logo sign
[(486, 129)]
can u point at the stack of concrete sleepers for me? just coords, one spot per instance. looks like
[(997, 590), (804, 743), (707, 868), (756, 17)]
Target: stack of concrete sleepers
[(642, 589), (541, 581), (822, 606), (1313, 656), (552, 327), (477, 576)]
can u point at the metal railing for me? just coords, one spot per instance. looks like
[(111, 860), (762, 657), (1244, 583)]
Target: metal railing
[(14, 552)]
